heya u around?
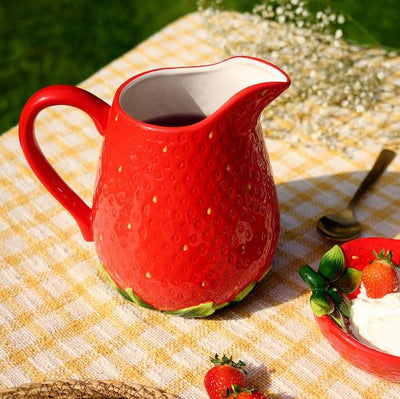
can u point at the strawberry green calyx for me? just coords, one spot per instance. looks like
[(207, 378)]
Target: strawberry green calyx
[(236, 391), (227, 361), (385, 257)]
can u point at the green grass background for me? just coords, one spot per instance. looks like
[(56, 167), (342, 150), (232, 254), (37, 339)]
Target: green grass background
[(44, 42)]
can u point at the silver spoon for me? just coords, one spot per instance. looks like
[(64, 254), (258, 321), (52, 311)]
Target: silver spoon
[(343, 226)]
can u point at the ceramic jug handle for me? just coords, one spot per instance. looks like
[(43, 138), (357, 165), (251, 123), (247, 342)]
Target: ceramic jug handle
[(97, 109)]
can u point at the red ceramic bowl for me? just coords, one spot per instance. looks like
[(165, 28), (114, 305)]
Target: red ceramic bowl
[(358, 253), (359, 355)]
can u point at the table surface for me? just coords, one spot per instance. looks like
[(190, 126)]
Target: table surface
[(59, 319)]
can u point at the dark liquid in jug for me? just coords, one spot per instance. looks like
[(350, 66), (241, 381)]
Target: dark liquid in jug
[(176, 120)]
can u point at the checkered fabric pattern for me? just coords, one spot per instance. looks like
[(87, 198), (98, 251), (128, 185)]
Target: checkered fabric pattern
[(59, 319)]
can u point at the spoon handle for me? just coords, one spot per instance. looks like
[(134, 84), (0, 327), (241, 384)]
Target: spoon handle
[(382, 162)]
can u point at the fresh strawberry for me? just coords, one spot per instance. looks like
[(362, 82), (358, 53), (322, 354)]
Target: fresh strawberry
[(226, 373), (359, 252), (246, 393), (379, 277)]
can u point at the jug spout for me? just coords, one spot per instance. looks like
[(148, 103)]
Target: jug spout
[(253, 84), (241, 82)]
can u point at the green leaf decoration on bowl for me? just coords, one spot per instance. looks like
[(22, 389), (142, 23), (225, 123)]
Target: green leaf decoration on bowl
[(314, 280), (341, 302), (321, 303), (348, 281), (339, 319), (332, 264), (330, 286)]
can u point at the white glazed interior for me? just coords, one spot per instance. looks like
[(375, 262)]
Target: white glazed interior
[(193, 90)]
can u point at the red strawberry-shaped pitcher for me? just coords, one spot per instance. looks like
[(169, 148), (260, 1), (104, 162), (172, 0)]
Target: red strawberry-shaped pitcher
[(185, 215)]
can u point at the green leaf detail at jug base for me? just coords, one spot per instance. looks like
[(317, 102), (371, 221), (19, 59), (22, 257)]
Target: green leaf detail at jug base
[(202, 310), (128, 293), (239, 297), (197, 311), (208, 308), (265, 273)]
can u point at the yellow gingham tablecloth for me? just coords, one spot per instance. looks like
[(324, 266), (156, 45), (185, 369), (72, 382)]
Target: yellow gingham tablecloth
[(59, 319)]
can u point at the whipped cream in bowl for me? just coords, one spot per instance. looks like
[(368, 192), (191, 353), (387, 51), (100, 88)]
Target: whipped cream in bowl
[(376, 322)]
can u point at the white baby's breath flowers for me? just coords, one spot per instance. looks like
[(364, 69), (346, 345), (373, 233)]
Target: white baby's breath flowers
[(345, 81)]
